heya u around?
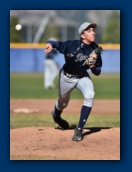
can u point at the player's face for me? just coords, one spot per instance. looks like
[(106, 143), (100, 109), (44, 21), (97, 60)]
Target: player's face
[(88, 35)]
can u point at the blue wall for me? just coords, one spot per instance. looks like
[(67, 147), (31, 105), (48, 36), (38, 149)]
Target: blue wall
[(32, 60)]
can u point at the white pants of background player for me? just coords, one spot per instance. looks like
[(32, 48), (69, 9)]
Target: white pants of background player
[(50, 73), (66, 86)]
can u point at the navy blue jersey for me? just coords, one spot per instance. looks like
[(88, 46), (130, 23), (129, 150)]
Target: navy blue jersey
[(75, 53)]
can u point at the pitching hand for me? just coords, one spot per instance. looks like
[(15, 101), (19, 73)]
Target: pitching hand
[(48, 48)]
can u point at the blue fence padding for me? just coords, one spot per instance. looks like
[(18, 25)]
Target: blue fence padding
[(26, 60), (111, 61), (32, 60)]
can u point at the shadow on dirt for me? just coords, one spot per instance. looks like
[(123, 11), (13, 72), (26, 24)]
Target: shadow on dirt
[(94, 130), (91, 129)]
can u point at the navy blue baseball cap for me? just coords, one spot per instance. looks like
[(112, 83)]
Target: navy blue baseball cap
[(85, 26)]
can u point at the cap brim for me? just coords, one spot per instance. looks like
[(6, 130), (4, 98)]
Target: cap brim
[(86, 26), (92, 25)]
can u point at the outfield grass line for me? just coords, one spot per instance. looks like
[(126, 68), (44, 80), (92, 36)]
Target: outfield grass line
[(30, 85)]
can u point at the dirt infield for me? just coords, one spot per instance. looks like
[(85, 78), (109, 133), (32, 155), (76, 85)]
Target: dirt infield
[(54, 144), (46, 106), (44, 143)]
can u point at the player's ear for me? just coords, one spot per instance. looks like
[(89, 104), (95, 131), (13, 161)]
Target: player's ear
[(82, 36)]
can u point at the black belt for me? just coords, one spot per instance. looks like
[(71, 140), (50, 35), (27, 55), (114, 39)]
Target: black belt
[(72, 76)]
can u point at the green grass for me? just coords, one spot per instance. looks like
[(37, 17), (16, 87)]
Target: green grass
[(36, 120), (107, 86)]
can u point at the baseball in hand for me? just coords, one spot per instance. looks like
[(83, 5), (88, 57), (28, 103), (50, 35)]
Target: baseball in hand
[(18, 27)]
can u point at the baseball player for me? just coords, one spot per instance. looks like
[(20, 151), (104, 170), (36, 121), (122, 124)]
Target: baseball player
[(74, 74), (51, 68)]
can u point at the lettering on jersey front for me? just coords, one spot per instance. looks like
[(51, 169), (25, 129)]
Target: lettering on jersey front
[(80, 57)]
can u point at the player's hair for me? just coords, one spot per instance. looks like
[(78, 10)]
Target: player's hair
[(81, 37)]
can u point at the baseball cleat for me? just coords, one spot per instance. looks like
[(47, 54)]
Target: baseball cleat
[(61, 122), (77, 135)]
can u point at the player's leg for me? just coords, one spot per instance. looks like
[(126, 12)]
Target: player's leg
[(54, 72), (47, 74), (65, 89), (85, 85)]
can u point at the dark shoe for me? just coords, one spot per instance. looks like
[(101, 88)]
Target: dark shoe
[(61, 122), (77, 135)]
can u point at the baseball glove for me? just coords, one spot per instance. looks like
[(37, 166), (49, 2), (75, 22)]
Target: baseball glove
[(91, 60)]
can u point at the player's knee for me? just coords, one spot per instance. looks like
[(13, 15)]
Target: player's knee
[(89, 99), (90, 95)]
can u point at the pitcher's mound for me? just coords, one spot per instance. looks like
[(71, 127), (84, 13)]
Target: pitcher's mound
[(44, 143)]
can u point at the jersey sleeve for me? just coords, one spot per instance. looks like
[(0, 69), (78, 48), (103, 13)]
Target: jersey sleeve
[(62, 47), (96, 70), (54, 44)]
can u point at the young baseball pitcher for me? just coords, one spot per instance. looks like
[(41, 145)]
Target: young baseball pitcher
[(80, 56)]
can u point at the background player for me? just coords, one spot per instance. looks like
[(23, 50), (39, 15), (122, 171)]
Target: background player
[(50, 68), (74, 74)]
